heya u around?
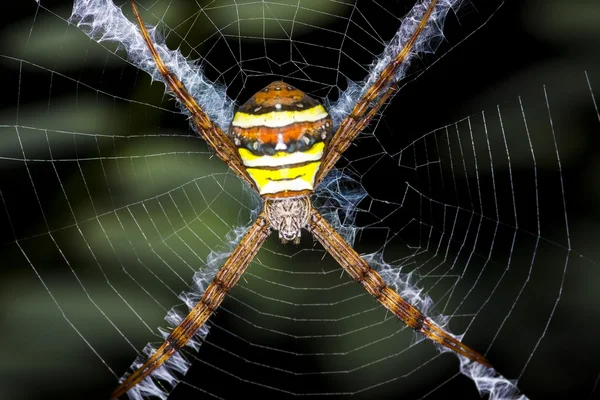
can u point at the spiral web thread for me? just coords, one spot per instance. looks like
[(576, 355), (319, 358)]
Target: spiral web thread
[(128, 219)]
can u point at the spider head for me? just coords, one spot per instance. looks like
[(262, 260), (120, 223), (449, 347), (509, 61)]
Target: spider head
[(288, 216)]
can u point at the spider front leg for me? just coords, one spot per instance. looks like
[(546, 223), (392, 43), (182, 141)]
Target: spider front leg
[(212, 134), (370, 103), (360, 271), (213, 296)]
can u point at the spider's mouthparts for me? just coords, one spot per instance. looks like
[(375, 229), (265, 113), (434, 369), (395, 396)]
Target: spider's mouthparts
[(288, 215), (289, 237)]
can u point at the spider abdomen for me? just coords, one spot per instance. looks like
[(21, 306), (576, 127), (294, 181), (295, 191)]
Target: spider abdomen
[(280, 133)]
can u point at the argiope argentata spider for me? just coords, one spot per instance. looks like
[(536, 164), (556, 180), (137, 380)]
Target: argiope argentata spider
[(281, 143)]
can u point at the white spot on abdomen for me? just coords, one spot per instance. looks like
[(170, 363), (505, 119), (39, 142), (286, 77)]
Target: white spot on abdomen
[(280, 144)]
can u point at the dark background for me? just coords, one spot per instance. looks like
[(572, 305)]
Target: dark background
[(525, 46)]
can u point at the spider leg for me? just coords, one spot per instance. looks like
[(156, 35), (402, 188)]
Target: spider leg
[(360, 271), (371, 102), (223, 282), (214, 136)]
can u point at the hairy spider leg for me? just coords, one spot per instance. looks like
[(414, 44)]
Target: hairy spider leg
[(361, 272), (371, 102), (212, 134), (223, 282)]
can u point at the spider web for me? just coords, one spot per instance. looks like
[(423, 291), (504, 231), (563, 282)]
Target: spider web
[(473, 194)]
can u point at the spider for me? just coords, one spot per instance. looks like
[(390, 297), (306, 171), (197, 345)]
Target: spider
[(281, 143)]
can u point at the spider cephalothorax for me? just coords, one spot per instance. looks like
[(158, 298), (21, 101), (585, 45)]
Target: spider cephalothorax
[(288, 215)]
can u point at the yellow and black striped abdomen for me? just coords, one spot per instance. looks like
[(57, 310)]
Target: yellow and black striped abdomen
[(280, 134)]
